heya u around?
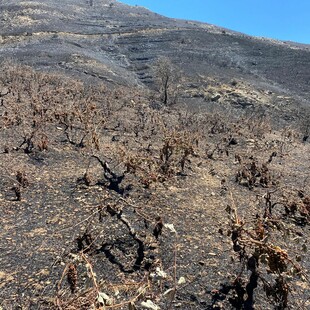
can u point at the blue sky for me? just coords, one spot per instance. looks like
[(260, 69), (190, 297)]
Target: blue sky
[(278, 19)]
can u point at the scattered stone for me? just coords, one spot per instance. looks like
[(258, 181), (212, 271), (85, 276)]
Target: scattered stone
[(216, 97)]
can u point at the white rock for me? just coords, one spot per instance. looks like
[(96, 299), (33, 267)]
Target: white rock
[(149, 305)]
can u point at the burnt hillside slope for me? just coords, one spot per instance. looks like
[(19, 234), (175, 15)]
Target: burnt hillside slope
[(119, 193), (115, 42)]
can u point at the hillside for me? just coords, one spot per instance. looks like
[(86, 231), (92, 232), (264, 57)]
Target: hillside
[(113, 41), (150, 163)]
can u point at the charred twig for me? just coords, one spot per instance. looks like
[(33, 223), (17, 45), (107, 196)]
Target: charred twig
[(158, 227), (114, 179), (72, 277)]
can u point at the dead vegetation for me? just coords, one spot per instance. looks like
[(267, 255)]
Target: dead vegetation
[(115, 177), (263, 264), (254, 174)]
